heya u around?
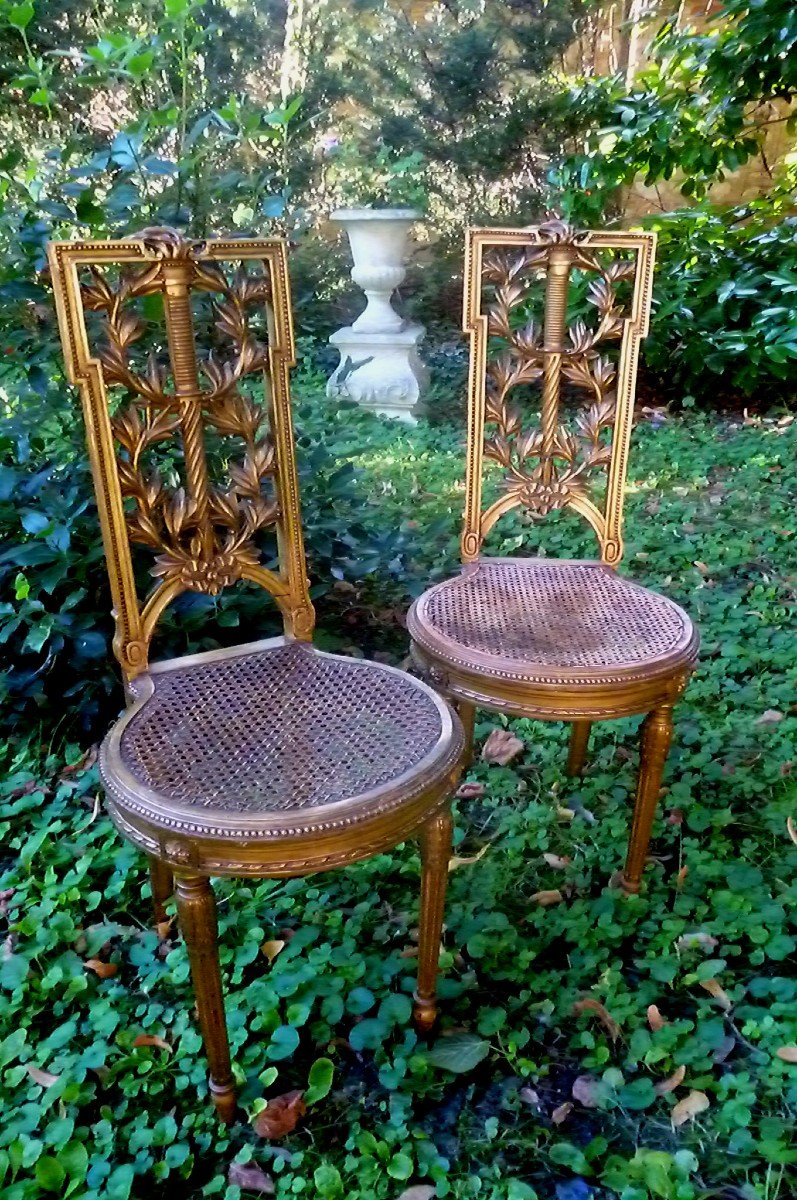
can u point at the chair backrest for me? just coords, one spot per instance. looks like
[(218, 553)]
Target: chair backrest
[(185, 459), (574, 456)]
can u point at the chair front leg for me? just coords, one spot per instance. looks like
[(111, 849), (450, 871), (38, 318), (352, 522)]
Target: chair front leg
[(162, 884), (655, 744), (435, 839), (196, 909), (579, 743)]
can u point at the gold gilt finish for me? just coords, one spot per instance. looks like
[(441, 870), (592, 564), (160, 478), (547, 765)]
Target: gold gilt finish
[(272, 758), (202, 535), (554, 639)]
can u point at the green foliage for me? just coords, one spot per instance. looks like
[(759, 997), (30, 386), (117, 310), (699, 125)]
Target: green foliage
[(92, 1110), (460, 87), (724, 306), (698, 111), (375, 176)]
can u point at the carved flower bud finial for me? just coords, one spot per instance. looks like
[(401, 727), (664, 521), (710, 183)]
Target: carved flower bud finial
[(169, 243)]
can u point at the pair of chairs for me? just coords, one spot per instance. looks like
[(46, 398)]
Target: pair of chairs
[(274, 758)]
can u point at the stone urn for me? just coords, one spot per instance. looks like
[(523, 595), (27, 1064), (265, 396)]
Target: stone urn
[(379, 365)]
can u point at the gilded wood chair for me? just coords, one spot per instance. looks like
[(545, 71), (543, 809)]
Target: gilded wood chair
[(541, 637), (272, 758)]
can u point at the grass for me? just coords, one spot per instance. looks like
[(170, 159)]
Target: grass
[(551, 1098)]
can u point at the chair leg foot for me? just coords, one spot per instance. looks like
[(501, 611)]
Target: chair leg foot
[(435, 839), (196, 908), (467, 715), (655, 744), (162, 885), (579, 743)]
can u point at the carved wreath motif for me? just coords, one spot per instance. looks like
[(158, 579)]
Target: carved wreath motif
[(202, 534), (547, 466)]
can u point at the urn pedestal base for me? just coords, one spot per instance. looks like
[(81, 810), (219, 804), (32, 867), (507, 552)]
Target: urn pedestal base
[(380, 371)]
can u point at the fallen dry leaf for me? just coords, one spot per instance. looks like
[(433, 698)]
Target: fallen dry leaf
[(792, 829), (164, 929), (88, 760), (787, 1053), (715, 989), (152, 1039), (43, 1078), (565, 814), (688, 941), (469, 791), (655, 1020), (560, 1114), (250, 1178), (501, 747), (605, 1018), (419, 1191), (103, 969), (456, 861), (272, 948), (688, 1108), (770, 717), (587, 1090), (669, 1085), (680, 878), (280, 1116), (545, 899), (529, 1096), (557, 861)]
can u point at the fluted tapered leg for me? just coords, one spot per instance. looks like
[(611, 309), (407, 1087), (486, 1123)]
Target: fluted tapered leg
[(655, 744), (196, 908), (162, 883), (467, 715), (435, 839), (579, 742)]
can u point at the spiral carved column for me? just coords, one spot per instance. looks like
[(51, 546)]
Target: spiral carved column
[(556, 289), (182, 351)]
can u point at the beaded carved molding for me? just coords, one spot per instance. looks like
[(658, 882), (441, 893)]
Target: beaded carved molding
[(146, 391), (555, 463)]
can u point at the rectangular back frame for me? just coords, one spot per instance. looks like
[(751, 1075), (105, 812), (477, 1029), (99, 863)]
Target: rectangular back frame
[(212, 545), (561, 248)]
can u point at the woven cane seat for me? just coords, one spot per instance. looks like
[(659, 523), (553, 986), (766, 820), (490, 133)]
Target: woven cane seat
[(262, 735), (548, 620)]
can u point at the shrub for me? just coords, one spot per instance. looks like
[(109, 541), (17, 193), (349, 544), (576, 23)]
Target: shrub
[(724, 307)]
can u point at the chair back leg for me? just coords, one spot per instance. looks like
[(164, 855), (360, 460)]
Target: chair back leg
[(467, 715), (579, 744), (196, 909), (162, 884), (435, 839), (655, 744)]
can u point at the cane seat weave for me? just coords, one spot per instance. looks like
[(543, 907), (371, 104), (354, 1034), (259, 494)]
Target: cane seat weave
[(277, 729), (538, 617)]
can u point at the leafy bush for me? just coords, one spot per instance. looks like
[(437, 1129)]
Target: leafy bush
[(724, 315)]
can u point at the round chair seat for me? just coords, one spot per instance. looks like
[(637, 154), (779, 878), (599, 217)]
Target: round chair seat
[(277, 742), (549, 623)]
